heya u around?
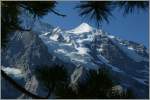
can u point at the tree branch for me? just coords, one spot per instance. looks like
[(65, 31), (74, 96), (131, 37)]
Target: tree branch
[(57, 13), (18, 87)]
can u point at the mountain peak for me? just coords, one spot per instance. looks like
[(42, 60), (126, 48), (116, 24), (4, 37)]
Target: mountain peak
[(84, 27)]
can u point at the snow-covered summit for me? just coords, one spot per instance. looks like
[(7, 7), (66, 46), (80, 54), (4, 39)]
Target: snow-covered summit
[(90, 48), (82, 28), (80, 49)]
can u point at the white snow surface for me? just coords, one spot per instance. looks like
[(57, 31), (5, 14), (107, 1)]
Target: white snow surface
[(15, 72), (111, 36), (54, 37), (131, 48), (72, 48), (84, 27), (69, 52)]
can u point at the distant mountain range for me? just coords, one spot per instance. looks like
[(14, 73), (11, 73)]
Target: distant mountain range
[(80, 50)]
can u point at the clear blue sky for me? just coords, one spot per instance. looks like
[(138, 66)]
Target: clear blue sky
[(133, 27)]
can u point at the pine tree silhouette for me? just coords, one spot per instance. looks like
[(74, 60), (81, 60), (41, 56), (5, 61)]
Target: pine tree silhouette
[(97, 86), (131, 6), (11, 10), (98, 11), (51, 77)]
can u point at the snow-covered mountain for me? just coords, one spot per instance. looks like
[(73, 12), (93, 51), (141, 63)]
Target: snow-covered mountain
[(80, 49)]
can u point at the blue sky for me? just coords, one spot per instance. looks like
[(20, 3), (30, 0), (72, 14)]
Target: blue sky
[(133, 27)]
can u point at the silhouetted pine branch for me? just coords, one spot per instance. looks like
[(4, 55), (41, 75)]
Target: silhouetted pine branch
[(11, 10), (18, 87), (131, 6), (51, 76), (98, 11)]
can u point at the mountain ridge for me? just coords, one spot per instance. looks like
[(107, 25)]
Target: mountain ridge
[(83, 49)]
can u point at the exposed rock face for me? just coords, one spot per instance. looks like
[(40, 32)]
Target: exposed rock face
[(25, 51), (80, 51)]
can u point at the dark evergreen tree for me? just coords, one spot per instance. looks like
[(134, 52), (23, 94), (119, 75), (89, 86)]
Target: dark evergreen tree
[(98, 11), (9, 20), (99, 83), (51, 77), (131, 6), (11, 10), (97, 86), (64, 91), (19, 87)]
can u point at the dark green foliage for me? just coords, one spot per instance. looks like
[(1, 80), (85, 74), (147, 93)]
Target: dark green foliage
[(38, 8), (11, 9), (51, 77), (18, 86), (64, 91), (130, 6), (9, 20), (100, 11), (95, 10), (129, 94), (98, 86)]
